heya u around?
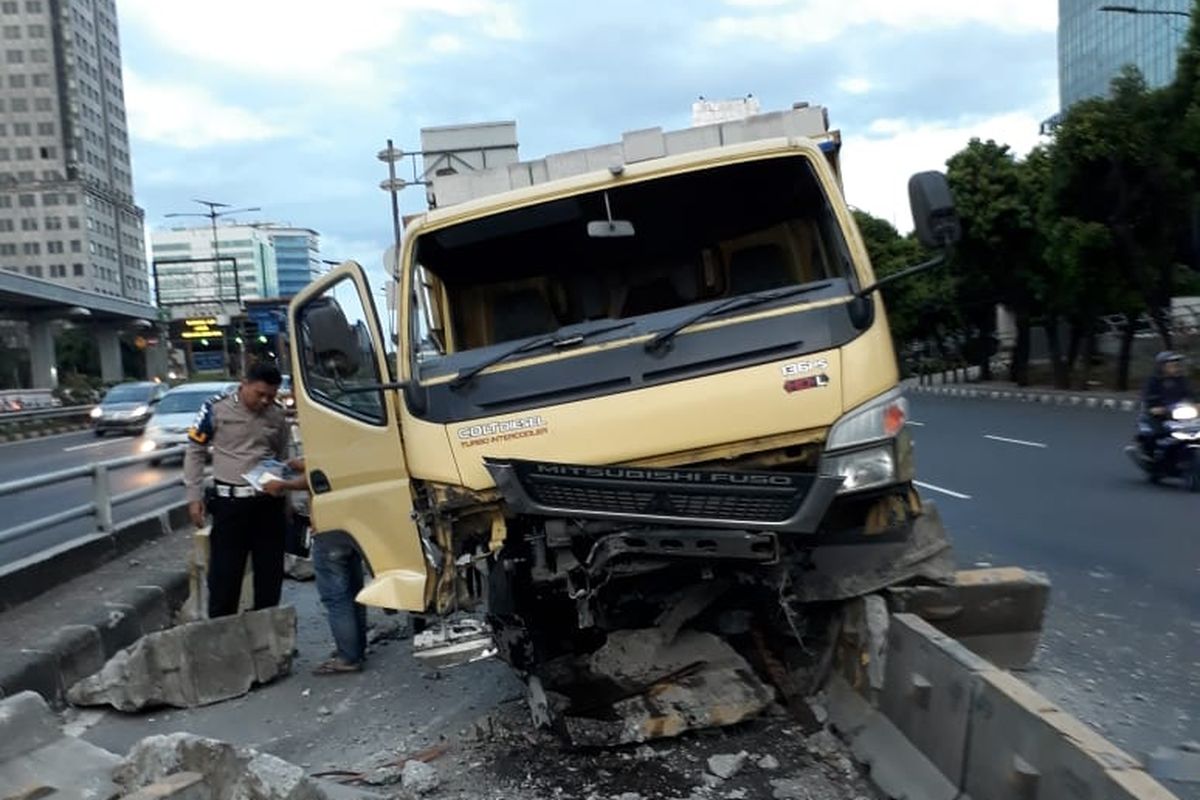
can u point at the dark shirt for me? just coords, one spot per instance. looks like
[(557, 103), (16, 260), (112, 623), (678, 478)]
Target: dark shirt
[(1164, 391)]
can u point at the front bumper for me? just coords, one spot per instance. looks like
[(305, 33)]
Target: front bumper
[(761, 501), (121, 424), (157, 442)]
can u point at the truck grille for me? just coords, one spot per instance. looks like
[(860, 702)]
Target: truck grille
[(685, 496)]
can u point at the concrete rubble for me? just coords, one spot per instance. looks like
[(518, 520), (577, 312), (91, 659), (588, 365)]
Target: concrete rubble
[(195, 664), (665, 687), (726, 765), (230, 772), (419, 778), (38, 759)]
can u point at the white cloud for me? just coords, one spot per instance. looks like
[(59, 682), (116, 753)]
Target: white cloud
[(353, 45), (799, 22), (446, 43), (854, 85), (876, 166), (188, 117)]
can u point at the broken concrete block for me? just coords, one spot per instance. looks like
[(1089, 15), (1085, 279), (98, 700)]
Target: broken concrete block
[(231, 773), (195, 664), (37, 759), (726, 765), (419, 777), (693, 681), (996, 612), (180, 786)]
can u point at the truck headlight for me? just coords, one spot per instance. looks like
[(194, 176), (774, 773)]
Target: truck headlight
[(141, 411), (877, 419), (95, 413), (862, 469), (870, 447)]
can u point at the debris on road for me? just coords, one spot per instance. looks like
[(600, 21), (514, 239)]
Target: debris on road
[(726, 765), (519, 765), (229, 772), (195, 664), (419, 778), (640, 686)]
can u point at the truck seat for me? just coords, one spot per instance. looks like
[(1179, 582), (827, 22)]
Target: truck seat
[(522, 313), (758, 268)]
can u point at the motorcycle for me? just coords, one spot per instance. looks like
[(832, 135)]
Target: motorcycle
[(1177, 449)]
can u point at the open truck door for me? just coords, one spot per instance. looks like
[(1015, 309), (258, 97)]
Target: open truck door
[(350, 420)]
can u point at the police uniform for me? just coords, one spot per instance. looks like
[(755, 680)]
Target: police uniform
[(244, 521)]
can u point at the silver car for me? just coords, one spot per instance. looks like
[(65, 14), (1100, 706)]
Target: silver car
[(176, 412), (126, 407)]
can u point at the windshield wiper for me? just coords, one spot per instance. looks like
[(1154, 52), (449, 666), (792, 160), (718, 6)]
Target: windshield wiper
[(557, 340), (730, 303)]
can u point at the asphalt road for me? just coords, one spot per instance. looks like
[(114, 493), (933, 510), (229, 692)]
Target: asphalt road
[(1049, 489), (53, 453)]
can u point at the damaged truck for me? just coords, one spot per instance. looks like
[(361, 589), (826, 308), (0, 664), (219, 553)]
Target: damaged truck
[(635, 402), (663, 387)]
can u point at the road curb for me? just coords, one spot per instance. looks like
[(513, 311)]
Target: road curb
[(1061, 399), (57, 661), (57, 430)]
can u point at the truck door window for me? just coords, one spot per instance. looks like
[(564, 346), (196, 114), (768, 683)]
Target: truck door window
[(338, 355)]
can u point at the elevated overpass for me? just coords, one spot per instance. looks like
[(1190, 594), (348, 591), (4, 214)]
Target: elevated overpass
[(42, 304)]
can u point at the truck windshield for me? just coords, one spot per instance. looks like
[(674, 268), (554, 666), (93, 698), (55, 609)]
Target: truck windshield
[(699, 237)]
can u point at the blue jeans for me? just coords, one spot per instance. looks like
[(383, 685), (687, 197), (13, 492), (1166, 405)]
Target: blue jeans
[(339, 573)]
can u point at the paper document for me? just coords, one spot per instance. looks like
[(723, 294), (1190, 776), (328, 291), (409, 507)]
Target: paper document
[(268, 471)]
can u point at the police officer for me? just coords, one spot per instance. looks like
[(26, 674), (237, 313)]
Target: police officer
[(244, 428)]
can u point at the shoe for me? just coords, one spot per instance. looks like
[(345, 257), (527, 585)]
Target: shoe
[(335, 666)]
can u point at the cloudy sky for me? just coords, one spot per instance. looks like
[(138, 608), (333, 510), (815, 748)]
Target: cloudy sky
[(283, 103)]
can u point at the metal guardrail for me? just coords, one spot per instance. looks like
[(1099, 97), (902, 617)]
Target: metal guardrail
[(40, 414), (103, 500)]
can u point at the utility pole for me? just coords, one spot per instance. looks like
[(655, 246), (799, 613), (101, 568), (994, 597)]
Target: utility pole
[(212, 214)]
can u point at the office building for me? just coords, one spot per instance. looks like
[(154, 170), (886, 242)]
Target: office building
[(66, 193), (180, 255), (1094, 45), (297, 258)]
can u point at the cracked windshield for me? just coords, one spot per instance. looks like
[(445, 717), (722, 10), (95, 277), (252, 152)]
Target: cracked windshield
[(714, 401)]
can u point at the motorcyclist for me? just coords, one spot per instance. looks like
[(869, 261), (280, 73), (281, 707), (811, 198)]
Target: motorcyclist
[(1166, 387)]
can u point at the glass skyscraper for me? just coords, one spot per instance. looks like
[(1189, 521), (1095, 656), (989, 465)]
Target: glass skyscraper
[(1094, 45)]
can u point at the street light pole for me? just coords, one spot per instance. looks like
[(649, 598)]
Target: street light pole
[(212, 214), (1166, 12)]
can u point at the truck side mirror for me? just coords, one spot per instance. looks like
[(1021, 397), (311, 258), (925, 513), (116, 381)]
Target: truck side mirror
[(934, 217), (332, 339)]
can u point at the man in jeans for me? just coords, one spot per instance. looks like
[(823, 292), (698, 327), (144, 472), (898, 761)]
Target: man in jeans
[(339, 572), (338, 568)]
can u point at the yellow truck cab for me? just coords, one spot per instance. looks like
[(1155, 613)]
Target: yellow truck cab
[(607, 384)]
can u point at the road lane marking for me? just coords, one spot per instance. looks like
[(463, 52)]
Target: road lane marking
[(1021, 442), (933, 488), (94, 444), (918, 424)]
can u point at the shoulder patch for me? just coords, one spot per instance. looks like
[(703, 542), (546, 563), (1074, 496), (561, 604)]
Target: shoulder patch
[(204, 425)]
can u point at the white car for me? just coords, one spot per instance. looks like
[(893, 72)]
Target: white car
[(176, 412)]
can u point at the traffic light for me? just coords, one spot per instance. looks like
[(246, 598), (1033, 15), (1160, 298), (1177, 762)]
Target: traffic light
[(204, 342), (262, 339), (237, 339)]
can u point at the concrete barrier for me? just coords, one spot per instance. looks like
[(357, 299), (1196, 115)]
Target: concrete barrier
[(48, 665), (950, 724)]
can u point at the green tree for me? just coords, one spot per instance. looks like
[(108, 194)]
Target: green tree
[(921, 308), (999, 254), (1116, 202)]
